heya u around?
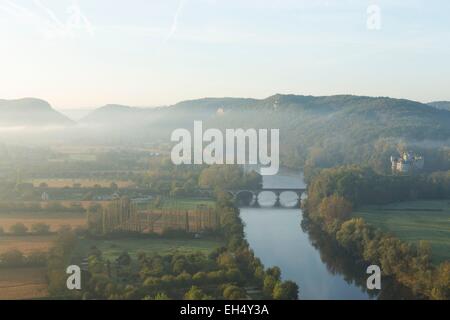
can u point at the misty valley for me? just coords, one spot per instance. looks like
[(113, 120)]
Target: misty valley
[(104, 193)]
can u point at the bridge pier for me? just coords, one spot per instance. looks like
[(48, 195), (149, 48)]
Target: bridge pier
[(299, 200), (278, 200), (255, 204)]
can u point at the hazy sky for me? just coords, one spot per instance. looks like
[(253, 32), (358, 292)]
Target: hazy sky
[(149, 52)]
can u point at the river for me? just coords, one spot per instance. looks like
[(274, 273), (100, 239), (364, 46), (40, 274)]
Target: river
[(278, 239)]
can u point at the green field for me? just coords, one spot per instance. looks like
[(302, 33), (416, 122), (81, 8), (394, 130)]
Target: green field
[(184, 203), (111, 249), (414, 221)]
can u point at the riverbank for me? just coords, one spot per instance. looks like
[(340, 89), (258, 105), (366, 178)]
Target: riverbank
[(413, 222), (277, 238), (334, 193)]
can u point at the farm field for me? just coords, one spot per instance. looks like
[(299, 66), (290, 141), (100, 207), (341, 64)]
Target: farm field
[(414, 221), (54, 220), (185, 203), (111, 249), (26, 244), (84, 183), (23, 283), (45, 204)]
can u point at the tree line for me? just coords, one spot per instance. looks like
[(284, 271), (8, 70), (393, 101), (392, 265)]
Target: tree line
[(225, 273), (334, 193)]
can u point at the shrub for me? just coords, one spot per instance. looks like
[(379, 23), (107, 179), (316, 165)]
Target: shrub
[(40, 228), (18, 229)]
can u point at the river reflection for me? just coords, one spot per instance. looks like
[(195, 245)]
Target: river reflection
[(281, 237), (340, 262)]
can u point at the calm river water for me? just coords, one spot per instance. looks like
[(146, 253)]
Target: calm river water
[(278, 239)]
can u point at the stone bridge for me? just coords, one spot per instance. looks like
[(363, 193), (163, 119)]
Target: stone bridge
[(253, 195)]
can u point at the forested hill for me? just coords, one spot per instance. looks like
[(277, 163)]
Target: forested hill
[(29, 112), (325, 131), (314, 131), (444, 105)]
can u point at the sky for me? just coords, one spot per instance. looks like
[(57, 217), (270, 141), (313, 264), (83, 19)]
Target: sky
[(88, 53)]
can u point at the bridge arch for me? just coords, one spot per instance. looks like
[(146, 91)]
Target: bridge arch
[(289, 199), (245, 197)]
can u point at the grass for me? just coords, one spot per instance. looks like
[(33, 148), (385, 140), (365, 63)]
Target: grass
[(85, 183), (54, 220), (185, 203), (26, 244), (111, 249), (414, 221), (23, 283)]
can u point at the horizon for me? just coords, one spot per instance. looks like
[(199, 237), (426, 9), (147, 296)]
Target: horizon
[(93, 108), (178, 50)]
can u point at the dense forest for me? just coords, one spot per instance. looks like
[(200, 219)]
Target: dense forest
[(314, 131), (333, 194)]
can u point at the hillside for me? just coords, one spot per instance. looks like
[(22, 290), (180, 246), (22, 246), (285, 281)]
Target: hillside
[(111, 113), (314, 131), (444, 105), (30, 112), (325, 131), (319, 131)]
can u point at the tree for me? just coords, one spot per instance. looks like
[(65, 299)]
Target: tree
[(274, 272), (195, 293), (161, 296), (179, 265), (199, 277), (12, 258), (18, 229), (226, 261), (441, 290), (334, 210), (286, 290), (354, 234), (222, 177), (124, 259), (269, 285), (40, 228), (232, 292)]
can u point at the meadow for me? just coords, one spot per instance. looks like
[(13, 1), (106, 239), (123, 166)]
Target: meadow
[(111, 249), (182, 203), (30, 242), (26, 244), (23, 283), (54, 220), (84, 183), (414, 221)]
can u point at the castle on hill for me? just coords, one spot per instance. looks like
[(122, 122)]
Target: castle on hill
[(407, 163)]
